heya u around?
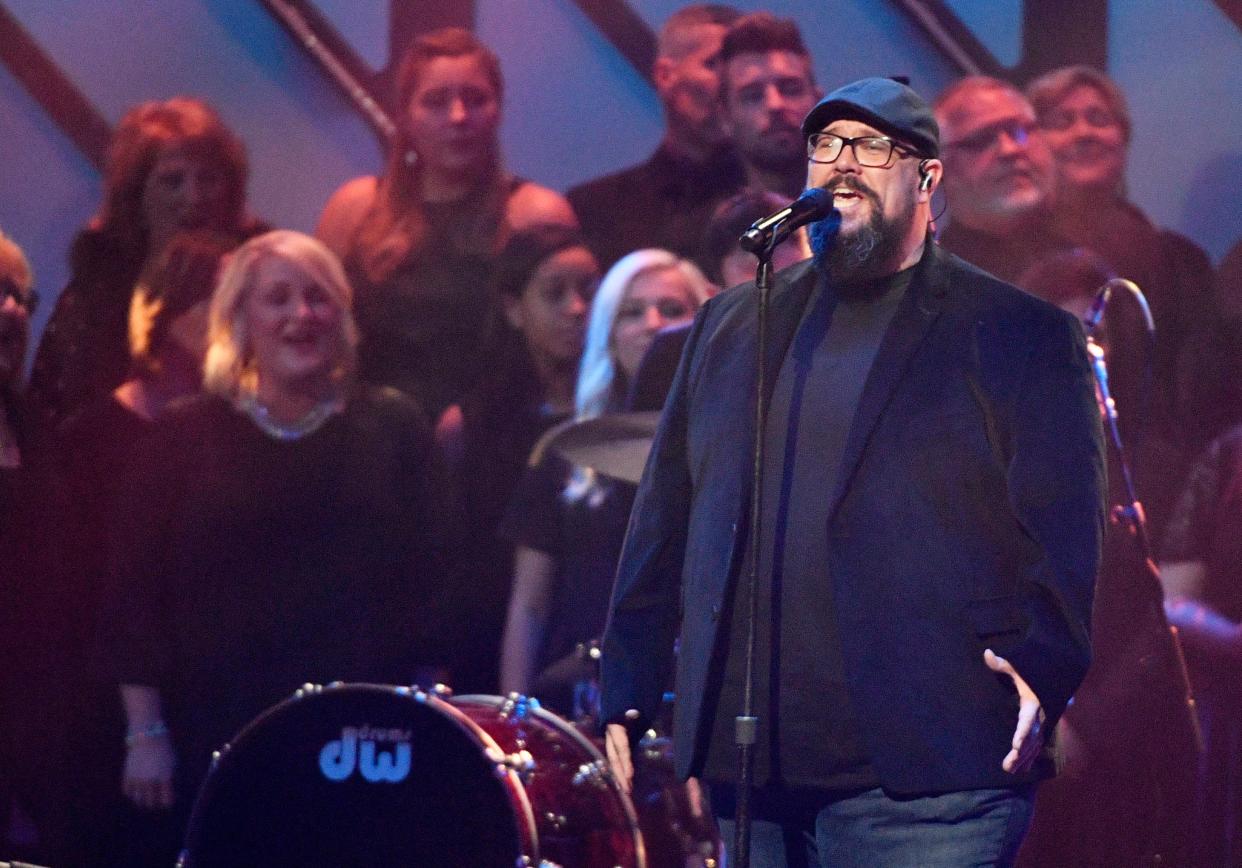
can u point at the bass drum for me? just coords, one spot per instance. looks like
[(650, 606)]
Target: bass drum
[(372, 775)]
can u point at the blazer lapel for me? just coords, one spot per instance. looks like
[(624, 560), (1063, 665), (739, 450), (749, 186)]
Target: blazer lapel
[(911, 323)]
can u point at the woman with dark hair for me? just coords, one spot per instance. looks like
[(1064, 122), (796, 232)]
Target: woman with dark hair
[(285, 527), (567, 523), (544, 279), (172, 166), (418, 241)]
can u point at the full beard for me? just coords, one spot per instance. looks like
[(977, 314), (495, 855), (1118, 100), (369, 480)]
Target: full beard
[(856, 257)]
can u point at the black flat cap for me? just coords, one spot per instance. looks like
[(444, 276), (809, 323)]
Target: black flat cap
[(888, 105)]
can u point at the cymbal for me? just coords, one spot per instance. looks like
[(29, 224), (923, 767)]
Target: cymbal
[(614, 445)]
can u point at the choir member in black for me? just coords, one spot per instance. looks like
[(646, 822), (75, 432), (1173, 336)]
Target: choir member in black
[(1201, 567), (767, 85), (567, 522), (1126, 744), (728, 263), (172, 166), (665, 201), (545, 280), (419, 240), (999, 179), (17, 300), (78, 739), (288, 526), (1083, 116)]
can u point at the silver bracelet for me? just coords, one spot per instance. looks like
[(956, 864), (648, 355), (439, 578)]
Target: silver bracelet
[(151, 730)]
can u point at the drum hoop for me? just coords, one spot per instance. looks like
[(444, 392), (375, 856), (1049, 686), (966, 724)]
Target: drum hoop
[(566, 728), (526, 814)]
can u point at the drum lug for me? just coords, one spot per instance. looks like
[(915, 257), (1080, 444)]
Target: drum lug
[(517, 707), (593, 773), (520, 762)]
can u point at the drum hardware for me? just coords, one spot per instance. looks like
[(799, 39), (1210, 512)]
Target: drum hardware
[(615, 445), (653, 746), (520, 762), (517, 706), (485, 781), (594, 773)]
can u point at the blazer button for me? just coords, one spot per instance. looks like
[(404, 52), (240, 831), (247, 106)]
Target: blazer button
[(715, 611)]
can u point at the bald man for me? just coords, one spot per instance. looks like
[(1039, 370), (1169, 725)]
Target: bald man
[(999, 177), (666, 201)]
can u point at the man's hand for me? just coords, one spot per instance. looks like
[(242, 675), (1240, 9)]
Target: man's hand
[(1028, 737), (617, 746), (147, 779)]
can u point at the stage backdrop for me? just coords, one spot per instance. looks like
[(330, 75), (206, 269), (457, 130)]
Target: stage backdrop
[(576, 106)]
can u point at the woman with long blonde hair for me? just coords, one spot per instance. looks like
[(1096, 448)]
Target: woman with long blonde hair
[(568, 522)]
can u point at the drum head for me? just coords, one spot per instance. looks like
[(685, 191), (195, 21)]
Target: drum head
[(356, 775)]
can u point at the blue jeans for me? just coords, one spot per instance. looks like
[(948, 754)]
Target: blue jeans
[(872, 830)]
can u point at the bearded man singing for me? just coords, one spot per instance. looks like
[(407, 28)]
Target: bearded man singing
[(932, 510)]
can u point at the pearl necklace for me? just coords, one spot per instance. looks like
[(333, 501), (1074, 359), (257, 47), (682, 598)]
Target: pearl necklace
[(308, 424)]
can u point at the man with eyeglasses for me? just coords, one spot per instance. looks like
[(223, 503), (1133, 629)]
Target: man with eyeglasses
[(931, 515), (999, 178)]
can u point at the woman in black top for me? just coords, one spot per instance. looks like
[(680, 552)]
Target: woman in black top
[(544, 279), (419, 240), (287, 527)]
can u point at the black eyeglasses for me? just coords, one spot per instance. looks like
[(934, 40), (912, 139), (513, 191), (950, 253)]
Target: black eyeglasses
[(875, 152), (10, 289)]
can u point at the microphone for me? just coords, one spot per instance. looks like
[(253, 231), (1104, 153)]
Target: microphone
[(763, 234), (1096, 312)]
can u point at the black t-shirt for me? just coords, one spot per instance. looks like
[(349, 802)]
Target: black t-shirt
[(809, 736), (583, 531)]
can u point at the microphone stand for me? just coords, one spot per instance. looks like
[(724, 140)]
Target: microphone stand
[(746, 724), (1130, 514)]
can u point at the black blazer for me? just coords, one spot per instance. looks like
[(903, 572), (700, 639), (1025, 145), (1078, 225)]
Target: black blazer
[(968, 514)]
